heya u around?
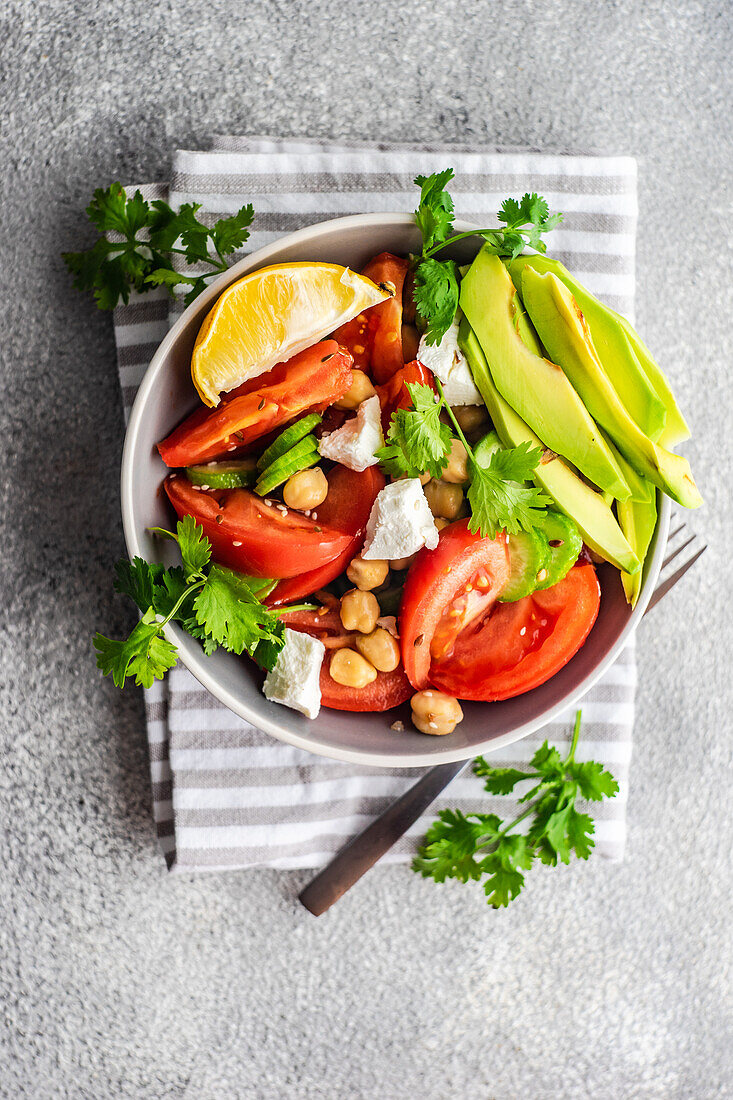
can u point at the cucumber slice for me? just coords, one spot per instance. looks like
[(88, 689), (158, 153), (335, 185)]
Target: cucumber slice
[(224, 475), (486, 447), (300, 457), (565, 543), (528, 554), (287, 440)]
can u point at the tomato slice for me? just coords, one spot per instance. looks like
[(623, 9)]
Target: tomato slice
[(252, 537), (445, 590), (518, 646), (347, 507), (310, 381), (374, 338), (387, 691), (394, 394)]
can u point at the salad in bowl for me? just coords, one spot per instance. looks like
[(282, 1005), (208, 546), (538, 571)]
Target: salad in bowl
[(416, 490)]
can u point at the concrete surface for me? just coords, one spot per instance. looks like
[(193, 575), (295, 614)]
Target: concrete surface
[(603, 982)]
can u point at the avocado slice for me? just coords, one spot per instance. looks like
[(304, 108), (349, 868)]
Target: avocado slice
[(638, 520), (565, 333), (631, 369), (534, 387), (593, 517)]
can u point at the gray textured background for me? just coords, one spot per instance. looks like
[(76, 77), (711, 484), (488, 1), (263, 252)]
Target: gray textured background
[(601, 981)]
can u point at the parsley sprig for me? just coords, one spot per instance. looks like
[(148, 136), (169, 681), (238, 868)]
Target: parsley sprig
[(419, 441), (215, 605), (436, 281), (472, 847), (138, 240)]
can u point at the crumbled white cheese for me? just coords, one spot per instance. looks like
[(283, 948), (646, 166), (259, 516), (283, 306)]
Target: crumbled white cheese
[(400, 522), (448, 363), (355, 443), (294, 681)]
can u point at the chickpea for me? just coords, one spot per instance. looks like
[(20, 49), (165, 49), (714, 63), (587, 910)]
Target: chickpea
[(472, 419), (306, 489), (351, 669), (360, 389), (456, 472), (444, 500), (403, 563), (367, 574), (436, 713), (380, 648), (359, 611)]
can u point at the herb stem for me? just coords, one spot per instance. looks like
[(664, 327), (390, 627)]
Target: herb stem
[(574, 743), (459, 237)]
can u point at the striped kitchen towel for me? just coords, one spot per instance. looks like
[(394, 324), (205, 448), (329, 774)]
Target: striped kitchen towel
[(226, 795)]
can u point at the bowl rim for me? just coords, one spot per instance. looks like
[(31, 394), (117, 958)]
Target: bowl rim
[(194, 659)]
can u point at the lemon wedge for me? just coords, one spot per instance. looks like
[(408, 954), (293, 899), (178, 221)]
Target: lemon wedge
[(271, 315)]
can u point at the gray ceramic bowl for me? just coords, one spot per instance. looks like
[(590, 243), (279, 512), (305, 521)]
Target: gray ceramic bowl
[(167, 395)]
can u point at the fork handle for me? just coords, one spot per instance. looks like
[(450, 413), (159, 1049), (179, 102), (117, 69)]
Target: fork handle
[(361, 853)]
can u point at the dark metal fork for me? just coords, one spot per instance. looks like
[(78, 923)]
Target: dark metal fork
[(368, 846)]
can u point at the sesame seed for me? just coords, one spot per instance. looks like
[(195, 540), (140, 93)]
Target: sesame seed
[(307, 513), (219, 519), (172, 477), (432, 725), (523, 631), (233, 447), (314, 515), (236, 544), (204, 487)]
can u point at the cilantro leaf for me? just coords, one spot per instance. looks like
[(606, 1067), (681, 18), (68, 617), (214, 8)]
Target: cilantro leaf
[(417, 439), (138, 579), (144, 654), (475, 846), (229, 234), (194, 546), (594, 783), (436, 296), (231, 614), (434, 215), (498, 780), (137, 244), (497, 501)]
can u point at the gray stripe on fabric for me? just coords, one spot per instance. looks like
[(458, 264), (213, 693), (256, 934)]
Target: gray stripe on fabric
[(134, 354), (138, 313), (163, 791), (156, 712), (217, 738), (258, 183), (159, 751), (286, 775), (129, 393)]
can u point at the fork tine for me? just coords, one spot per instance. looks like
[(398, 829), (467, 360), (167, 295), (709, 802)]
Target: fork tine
[(662, 589), (679, 550), (673, 534)]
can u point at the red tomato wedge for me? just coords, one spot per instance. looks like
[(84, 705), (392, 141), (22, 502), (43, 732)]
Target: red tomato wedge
[(374, 338), (394, 394), (252, 537), (308, 382), (347, 507), (518, 646), (446, 589), (387, 691)]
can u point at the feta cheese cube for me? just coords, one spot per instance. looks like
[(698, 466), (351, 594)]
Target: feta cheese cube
[(448, 363), (295, 679), (400, 522), (354, 444)]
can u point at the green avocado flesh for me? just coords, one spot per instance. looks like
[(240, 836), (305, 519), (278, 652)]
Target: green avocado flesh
[(633, 373), (638, 520), (535, 388), (593, 517), (564, 332)]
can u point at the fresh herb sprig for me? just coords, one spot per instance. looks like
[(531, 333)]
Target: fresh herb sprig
[(475, 847), (418, 441), (436, 281), (215, 605), (138, 240)]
